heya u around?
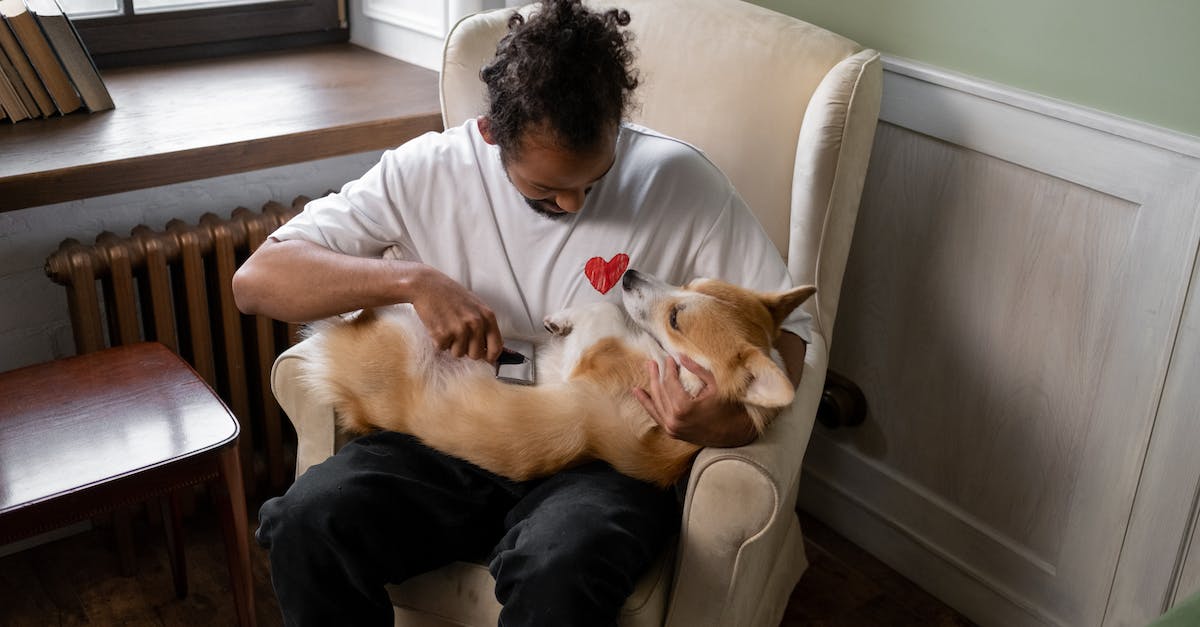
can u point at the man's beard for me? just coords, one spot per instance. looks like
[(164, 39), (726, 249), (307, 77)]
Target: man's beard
[(542, 208)]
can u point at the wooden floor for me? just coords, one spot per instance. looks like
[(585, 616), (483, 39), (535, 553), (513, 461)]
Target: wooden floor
[(75, 581)]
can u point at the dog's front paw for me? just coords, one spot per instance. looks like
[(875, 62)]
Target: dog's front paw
[(558, 325)]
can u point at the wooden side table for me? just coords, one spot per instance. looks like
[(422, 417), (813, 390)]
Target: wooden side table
[(84, 435)]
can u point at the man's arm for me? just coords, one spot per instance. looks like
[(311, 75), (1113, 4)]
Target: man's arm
[(299, 281), (793, 350), (704, 419)]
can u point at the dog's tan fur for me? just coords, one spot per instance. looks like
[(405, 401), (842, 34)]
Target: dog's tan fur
[(380, 370)]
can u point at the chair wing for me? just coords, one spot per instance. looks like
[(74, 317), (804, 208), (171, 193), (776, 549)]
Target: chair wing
[(731, 78), (765, 96)]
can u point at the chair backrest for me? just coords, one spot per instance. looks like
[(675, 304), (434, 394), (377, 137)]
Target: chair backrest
[(735, 80)]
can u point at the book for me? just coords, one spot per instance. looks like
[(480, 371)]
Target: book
[(41, 55), (14, 78), (10, 101), (29, 77), (72, 53)]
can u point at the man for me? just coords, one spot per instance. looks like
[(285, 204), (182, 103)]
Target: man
[(535, 206)]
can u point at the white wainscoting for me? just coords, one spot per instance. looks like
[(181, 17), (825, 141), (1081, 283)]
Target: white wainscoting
[(1016, 308)]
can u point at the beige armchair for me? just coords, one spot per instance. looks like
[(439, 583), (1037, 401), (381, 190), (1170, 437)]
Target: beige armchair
[(788, 111)]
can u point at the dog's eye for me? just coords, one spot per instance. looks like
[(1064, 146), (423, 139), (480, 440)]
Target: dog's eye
[(675, 318)]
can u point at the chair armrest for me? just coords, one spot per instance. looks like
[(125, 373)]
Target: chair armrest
[(740, 504), (314, 420)]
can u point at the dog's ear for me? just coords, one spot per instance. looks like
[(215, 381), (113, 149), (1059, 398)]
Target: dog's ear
[(780, 304), (769, 384)]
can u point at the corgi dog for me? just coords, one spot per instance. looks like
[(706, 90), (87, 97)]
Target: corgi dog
[(381, 370)]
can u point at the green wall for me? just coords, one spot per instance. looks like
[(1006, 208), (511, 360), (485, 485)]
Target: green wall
[(1138, 59)]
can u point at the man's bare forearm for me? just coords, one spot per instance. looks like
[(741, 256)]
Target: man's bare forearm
[(738, 428), (299, 281), (793, 350)]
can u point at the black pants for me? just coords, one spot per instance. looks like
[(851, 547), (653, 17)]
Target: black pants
[(565, 550)]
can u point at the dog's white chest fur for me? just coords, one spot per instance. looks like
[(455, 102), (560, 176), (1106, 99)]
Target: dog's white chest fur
[(575, 329), (572, 332)]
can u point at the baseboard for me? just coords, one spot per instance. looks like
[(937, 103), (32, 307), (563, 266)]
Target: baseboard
[(917, 558)]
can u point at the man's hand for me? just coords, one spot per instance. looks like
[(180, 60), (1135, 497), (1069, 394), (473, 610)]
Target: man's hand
[(702, 419), (455, 317)]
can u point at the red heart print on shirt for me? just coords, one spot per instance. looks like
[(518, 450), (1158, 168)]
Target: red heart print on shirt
[(605, 274)]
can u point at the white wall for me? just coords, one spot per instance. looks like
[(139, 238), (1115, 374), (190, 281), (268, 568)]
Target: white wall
[(34, 324), (411, 30)]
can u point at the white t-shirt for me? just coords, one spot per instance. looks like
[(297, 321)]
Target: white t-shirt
[(444, 199)]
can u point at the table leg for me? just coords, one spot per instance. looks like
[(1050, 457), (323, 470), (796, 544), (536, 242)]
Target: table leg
[(173, 526), (232, 501), (122, 518)]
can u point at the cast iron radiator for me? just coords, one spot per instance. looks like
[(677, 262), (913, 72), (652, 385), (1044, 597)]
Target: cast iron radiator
[(175, 287)]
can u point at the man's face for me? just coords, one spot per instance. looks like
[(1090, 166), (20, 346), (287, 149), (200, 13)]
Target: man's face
[(554, 181)]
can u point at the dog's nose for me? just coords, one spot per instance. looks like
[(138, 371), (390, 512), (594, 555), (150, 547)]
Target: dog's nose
[(631, 278)]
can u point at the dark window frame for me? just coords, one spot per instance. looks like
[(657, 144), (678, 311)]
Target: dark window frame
[(134, 39)]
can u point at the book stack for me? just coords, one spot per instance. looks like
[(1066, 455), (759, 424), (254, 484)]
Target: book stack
[(45, 69)]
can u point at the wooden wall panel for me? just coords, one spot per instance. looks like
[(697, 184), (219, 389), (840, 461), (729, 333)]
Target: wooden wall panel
[(1011, 303), (986, 302)]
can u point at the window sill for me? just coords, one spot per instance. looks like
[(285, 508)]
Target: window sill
[(199, 119)]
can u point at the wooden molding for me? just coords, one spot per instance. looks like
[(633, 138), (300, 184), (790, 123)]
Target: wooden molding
[(1061, 110)]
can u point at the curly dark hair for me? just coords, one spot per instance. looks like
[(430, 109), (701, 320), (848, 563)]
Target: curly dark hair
[(568, 68)]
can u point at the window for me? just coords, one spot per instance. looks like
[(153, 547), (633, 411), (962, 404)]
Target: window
[(125, 32)]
